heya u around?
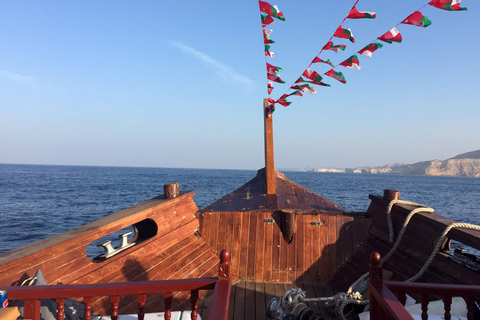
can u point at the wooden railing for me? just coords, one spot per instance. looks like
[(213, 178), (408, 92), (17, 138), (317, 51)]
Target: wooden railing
[(218, 311), (384, 305)]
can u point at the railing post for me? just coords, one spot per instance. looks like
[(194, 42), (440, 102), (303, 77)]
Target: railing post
[(194, 302), (60, 308), (141, 299), (376, 279), (224, 266), (87, 301), (31, 309), (114, 300), (167, 298)]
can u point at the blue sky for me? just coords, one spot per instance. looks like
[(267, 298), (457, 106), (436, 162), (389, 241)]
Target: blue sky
[(181, 84)]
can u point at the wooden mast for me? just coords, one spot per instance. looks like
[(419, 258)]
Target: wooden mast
[(269, 164)]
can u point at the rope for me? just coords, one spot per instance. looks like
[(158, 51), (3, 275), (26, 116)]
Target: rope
[(389, 210)]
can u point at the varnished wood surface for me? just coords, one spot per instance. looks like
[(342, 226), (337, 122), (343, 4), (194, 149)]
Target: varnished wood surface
[(248, 299), (289, 195)]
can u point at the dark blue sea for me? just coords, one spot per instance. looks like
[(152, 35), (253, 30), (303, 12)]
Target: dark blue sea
[(38, 201)]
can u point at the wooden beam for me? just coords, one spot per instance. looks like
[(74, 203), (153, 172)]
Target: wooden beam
[(269, 163)]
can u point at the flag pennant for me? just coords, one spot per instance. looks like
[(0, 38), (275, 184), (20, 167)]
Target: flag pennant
[(273, 11), (283, 100), (391, 36), (273, 69), (270, 109), (267, 20), (321, 83), (417, 19), (270, 87), (450, 5), (355, 14), (304, 88), (300, 80), (336, 75), (330, 46), (352, 63), (274, 77), (312, 75), (368, 50), (296, 93), (344, 33), (266, 36), (268, 52), (318, 60)]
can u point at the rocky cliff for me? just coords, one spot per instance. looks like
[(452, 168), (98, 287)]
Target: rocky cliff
[(466, 165)]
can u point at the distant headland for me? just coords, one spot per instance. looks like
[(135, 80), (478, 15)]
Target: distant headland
[(463, 165)]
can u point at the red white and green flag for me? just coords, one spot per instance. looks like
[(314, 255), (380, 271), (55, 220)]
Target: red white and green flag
[(344, 33), (274, 77), (270, 107), (296, 93), (320, 83), (272, 69), (318, 60), (271, 10), (368, 50), (299, 80), (355, 14), (352, 63), (330, 46), (266, 36), (268, 52), (391, 36), (336, 75), (312, 75), (267, 20), (450, 5), (304, 88), (283, 100), (417, 19), (270, 87)]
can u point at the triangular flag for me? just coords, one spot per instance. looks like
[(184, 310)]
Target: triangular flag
[(318, 60), (283, 101), (266, 36), (312, 75), (321, 83), (352, 62), (273, 69), (271, 10), (344, 33), (336, 75), (304, 88), (391, 36), (270, 109), (268, 52), (417, 19), (269, 87), (330, 46), (296, 93), (274, 77), (450, 5), (368, 50), (267, 20), (355, 14)]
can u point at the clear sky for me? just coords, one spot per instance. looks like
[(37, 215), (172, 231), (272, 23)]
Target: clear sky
[(181, 84)]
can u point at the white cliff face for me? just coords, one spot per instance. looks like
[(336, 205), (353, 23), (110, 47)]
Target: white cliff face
[(454, 167)]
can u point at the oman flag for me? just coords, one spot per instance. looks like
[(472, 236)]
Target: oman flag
[(283, 100), (336, 75), (269, 87), (330, 46), (296, 93), (391, 36), (368, 50), (304, 88), (318, 60), (344, 33), (272, 69), (352, 62), (312, 75), (355, 14), (271, 10), (417, 19), (450, 5), (266, 36), (268, 52), (274, 77), (267, 20)]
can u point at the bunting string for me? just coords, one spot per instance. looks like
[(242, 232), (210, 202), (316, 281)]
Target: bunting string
[(302, 85)]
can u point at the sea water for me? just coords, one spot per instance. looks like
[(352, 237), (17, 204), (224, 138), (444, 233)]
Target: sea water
[(38, 201)]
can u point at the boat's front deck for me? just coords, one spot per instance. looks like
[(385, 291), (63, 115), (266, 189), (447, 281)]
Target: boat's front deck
[(248, 299)]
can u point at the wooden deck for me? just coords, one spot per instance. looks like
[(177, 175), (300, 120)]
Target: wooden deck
[(248, 299)]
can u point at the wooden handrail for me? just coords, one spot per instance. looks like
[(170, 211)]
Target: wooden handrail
[(219, 309), (384, 304)]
